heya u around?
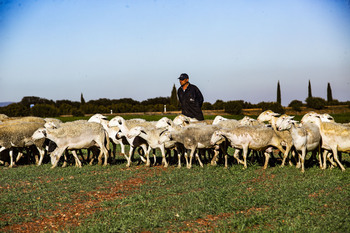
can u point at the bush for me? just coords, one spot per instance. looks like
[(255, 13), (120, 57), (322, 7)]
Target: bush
[(315, 103), (15, 110), (77, 112), (234, 107), (218, 105), (207, 106), (273, 106), (296, 105), (44, 110)]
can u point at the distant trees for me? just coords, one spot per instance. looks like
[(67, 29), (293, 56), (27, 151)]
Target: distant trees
[(278, 92), (274, 106), (82, 100), (329, 93), (296, 105), (36, 106), (309, 94), (173, 98), (315, 103)]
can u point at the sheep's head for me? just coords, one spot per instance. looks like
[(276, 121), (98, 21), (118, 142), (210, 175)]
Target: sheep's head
[(216, 137), (281, 118), (164, 136), (135, 131), (98, 118), (39, 134), (267, 115), (116, 121), (218, 119)]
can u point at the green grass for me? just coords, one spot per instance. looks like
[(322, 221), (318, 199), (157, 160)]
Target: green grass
[(155, 199)]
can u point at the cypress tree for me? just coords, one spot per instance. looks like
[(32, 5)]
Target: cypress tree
[(329, 93), (278, 92), (82, 101), (310, 92), (173, 97)]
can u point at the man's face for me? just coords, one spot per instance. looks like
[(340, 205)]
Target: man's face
[(183, 82)]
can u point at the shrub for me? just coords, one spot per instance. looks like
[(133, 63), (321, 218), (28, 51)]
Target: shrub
[(296, 105), (234, 107), (273, 106), (15, 110), (77, 112), (207, 106), (44, 110), (315, 103), (218, 105)]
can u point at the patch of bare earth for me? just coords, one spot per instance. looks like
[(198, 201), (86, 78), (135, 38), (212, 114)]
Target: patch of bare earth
[(84, 204), (210, 222)]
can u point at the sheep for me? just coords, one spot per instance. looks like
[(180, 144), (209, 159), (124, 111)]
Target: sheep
[(112, 132), (24, 119), (272, 118), (335, 137), (3, 116), (183, 120), (134, 142), (305, 138), (151, 135), (18, 134), (74, 136), (249, 137), (192, 138)]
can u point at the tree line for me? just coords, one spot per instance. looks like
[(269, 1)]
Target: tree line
[(37, 106)]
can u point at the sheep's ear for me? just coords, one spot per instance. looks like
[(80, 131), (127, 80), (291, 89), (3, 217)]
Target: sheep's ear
[(161, 133), (142, 131)]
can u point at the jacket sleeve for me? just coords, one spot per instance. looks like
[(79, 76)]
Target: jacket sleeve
[(200, 98)]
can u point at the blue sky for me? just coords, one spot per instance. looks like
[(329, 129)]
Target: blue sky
[(232, 50)]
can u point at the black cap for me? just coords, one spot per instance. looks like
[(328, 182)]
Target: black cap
[(183, 76)]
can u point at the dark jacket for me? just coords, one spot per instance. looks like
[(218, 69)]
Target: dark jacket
[(191, 101)]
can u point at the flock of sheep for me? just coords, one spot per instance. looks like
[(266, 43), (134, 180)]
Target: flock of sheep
[(37, 137)]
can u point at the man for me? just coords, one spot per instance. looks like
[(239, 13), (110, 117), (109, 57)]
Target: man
[(191, 98)]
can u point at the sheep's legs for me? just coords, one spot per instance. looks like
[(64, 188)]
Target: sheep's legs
[(56, 155), (302, 159), (162, 150), (245, 152), (335, 155), (199, 160), (191, 157), (42, 153), (77, 161), (267, 157), (148, 162), (235, 155), (12, 163)]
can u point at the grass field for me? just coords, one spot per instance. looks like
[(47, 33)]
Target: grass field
[(156, 199)]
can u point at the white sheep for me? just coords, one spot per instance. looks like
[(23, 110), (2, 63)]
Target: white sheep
[(152, 136), (73, 136), (249, 137), (112, 132), (335, 137), (134, 142), (272, 118), (305, 138), (17, 134), (192, 138)]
